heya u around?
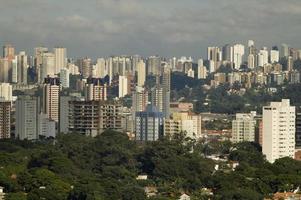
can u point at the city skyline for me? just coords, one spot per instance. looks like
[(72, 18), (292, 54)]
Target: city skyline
[(104, 27)]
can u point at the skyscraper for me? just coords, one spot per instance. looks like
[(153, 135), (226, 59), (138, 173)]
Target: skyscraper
[(5, 70), (139, 99), (5, 118), (149, 124), (123, 86), (214, 54), (26, 118), (38, 61), (141, 73), (153, 65), (263, 57), (96, 89), (284, 51), (22, 68), (238, 51), (48, 66), (51, 93), (274, 56), (85, 67), (60, 55), (290, 63), (8, 51), (14, 70), (278, 130)]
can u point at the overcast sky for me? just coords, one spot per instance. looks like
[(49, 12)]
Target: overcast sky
[(99, 28)]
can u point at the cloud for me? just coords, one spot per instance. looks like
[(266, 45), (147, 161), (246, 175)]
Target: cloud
[(172, 27)]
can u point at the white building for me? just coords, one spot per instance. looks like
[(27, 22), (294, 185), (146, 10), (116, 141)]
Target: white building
[(60, 55), (263, 57), (274, 56), (141, 73), (48, 66), (238, 51), (26, 118), (14, 69), (123, 86), (6, 92), (243, 127), (278, 139)]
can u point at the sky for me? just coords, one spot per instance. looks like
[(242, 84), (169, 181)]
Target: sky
[(99, 28)]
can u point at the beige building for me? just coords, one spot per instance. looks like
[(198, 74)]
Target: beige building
[(243, 127), (95, 89), (188, 123), (60, 55), (51, 94)]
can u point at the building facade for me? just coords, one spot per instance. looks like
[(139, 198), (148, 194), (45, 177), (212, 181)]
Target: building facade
[(278, 138)]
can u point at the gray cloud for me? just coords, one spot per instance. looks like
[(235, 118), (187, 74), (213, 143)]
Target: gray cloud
[(171, 27)]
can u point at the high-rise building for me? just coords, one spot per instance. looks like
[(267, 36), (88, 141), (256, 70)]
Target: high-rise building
[(22, 68), (94, 117), (64, 77), (141, 73), (38, 61), (251, 43), (166, 78), (284, 51), (123, 86), (5, 119), (6, 92), (202, 70), (5, 70), (243, 127), (263, 57), (48, 66), (96, 89), (227, 52), (85, 67), (14, 70), (51, 94), (251, 61), (101, 69), (64, 113), (60, 56), (298, 130), (8, 51), (238, 51), (274, 56), (153, 65), (214, 54), (278, 138), (46, 126), (149, 124), (139, 99), (26, 118), (290, 63)]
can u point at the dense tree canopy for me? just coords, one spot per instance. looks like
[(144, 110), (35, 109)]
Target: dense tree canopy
[(76, 167)]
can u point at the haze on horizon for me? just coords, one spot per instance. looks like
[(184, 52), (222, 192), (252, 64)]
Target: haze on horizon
[(99, 28)]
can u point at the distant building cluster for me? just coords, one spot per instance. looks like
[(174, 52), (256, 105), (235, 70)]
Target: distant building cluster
[(48, 93)]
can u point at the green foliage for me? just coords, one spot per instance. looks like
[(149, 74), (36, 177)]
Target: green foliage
[(106, 167)]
